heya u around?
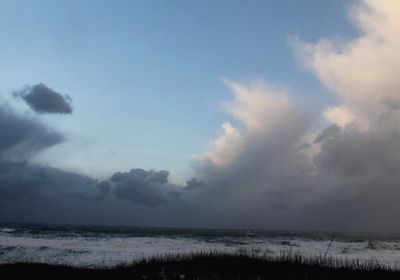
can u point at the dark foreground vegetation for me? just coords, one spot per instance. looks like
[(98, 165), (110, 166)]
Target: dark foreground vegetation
[(219, 266)]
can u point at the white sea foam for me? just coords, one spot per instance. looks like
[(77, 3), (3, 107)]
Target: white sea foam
[(111, 251), (6, 230), (94, 251)]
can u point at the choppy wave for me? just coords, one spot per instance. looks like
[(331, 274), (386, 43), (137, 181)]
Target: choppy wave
[(7, 230), (110, 246)]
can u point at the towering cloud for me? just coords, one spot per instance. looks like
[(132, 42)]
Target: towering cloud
[(344, 176), (260, 109), (43, 99), (362, 72)]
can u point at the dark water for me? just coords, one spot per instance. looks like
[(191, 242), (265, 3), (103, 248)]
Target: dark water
[(129, 231)]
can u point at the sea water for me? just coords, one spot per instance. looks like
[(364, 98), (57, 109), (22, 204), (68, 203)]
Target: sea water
[(96, 246)]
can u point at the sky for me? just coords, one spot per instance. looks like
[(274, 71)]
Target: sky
[(146, 78), (273, 114)]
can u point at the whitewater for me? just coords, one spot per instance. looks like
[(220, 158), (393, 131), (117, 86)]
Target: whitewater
[(99, 246)]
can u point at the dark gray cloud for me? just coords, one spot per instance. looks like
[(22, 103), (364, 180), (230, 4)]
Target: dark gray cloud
[(34, 193), (358, 173), (26, 181), (21, 137), (141, 186), (193, 184), (43, 99), (104, 188)]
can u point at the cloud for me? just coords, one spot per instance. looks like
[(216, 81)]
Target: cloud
[(34, 193), (329, 132), (30, 192), (261, 178), (43, 99), (22, 137), (344, 176), (193, 184), (105, 189), (26, 181), (362, 72), (266, 169), (260, 108), (140, 186), (226, 147)]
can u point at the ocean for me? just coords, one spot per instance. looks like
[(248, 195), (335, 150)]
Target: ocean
[(97, 246)]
